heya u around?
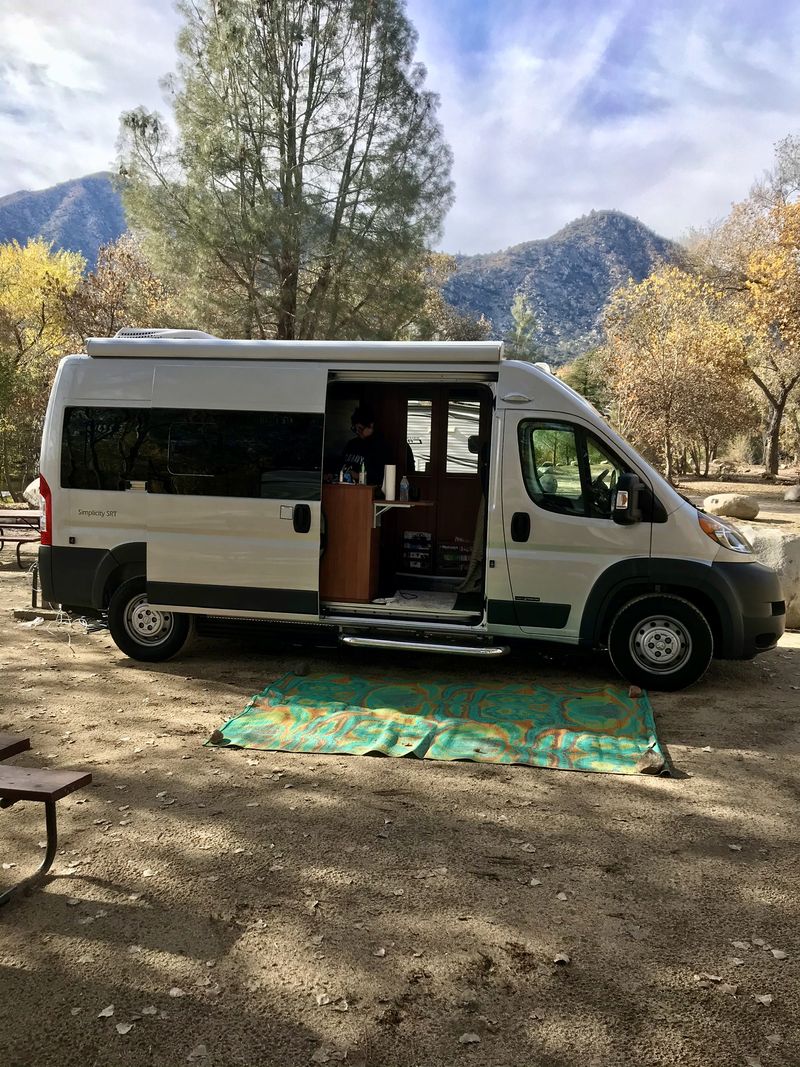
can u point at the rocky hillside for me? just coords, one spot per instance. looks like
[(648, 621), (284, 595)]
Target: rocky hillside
[(78, 215), (567, 278)]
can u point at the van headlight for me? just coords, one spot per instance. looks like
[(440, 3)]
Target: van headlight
[(724, 533)]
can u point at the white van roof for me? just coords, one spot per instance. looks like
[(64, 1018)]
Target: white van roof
[(194, 344)]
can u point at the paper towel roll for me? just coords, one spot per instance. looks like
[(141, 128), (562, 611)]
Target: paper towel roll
[(389, 480)]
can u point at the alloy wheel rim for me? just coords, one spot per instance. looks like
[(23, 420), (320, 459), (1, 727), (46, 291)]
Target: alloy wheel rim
[(661, 644)]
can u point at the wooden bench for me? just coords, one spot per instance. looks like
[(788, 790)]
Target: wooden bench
[(38, 784)]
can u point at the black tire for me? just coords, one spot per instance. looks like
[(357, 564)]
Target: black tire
[(142, 632), (660, 641)]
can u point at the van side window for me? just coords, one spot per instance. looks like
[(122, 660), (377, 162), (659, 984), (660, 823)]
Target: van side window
[(549, 454), (604, 472), (102, 448), (266, 454), (567, 469), (275, 455)]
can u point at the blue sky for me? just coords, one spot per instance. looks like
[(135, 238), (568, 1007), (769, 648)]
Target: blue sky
[(666, 110)]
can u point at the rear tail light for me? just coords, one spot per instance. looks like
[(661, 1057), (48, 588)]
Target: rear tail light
[(46, 521)]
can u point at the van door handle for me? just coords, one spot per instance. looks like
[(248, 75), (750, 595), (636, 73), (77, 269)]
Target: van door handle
[(520, 526), (302, 518)]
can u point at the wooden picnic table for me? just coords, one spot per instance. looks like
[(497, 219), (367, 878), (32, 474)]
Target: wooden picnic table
[(20, 517), (39, 784), (11, 744), (19, 526)]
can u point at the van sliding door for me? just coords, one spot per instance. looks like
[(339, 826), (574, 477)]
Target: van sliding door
[(234, 488)]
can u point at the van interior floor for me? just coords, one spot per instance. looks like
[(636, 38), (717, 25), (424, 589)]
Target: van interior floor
[(426, 603)]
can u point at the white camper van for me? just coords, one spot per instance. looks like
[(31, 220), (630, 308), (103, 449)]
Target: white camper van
[(187, 478)]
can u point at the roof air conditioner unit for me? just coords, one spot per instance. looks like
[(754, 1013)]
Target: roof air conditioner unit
[(132, 332)]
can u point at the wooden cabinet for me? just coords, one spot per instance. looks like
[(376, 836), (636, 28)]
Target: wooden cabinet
[(349, 566)]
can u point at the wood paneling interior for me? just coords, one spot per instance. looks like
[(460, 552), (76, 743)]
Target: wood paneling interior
[(456, 496), (349, 567)]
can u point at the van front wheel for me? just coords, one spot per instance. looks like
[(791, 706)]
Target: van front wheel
[(141, 631), (661, 642)]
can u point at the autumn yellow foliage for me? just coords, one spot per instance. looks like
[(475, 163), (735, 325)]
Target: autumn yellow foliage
[(677, 367), (30, 319), (33, 335)]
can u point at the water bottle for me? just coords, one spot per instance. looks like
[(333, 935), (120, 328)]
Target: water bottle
[(362, 478), (404, 488)]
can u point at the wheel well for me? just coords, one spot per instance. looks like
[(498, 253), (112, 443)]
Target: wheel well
[(626, 593), (118, 576)]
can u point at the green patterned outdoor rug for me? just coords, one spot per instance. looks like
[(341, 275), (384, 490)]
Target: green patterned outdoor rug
[(571, 729)]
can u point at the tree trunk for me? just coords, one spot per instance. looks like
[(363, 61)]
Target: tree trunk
[(772, 438), (287, 299), (6, 474), (668, 456), (796, 427), (709, 452)]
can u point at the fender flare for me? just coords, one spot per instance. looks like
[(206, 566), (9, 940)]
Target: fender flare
[(701, 583), (128, 560)]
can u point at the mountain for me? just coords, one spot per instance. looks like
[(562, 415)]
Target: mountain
[(567, 278), (79, 215)]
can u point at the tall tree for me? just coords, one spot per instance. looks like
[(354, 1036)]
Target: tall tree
[(753, 256), (781, 183), (772, 321), (588, 376), (309, 169), (519, 340), (122, 290), (676, 367)]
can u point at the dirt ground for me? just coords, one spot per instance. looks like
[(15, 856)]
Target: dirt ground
[(775, 511), (271, 909)]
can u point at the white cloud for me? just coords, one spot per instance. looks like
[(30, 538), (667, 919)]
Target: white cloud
[(66, 73), (666, 111), (565, 108)]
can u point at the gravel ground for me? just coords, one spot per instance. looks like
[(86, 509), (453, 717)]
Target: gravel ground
[(276, 909)]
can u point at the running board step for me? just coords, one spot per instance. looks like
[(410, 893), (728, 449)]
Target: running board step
[(424, 646)]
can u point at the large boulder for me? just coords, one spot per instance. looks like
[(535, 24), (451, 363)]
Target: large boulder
[(735, 505), (781, 551), (792, 494)]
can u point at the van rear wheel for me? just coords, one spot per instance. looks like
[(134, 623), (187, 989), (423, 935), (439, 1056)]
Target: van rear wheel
[(141, 631), (661, 642)]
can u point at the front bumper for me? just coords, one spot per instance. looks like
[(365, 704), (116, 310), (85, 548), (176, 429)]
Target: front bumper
[(757, 610)]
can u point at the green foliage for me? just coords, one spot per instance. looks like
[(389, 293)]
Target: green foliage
[(308, 174), (588, 376), (519, 339), (33, 335)]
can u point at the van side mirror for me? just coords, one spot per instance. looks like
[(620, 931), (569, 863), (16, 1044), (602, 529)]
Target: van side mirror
[(625, 510)]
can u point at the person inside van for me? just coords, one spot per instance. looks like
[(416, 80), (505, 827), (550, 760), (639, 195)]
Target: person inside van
[(367, 447)]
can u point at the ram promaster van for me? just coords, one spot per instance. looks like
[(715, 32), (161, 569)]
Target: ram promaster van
[(187, 478)]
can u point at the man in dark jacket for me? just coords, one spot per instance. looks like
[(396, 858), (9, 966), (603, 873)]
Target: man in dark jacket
[(367, 447)]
